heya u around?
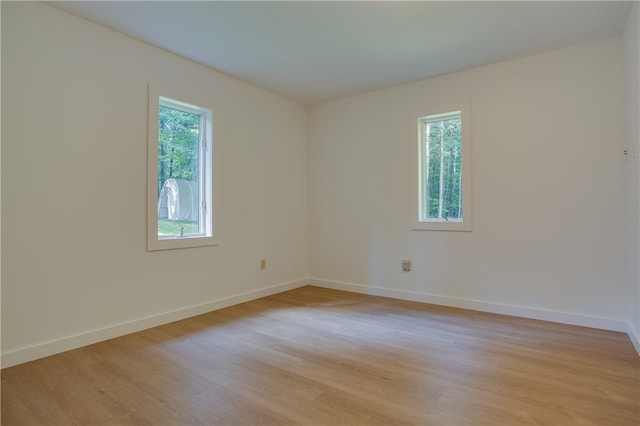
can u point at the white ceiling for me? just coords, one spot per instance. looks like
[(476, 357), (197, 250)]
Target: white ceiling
[(313, 51)]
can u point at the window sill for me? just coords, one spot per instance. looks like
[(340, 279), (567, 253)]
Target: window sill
[(442, 225), (180, 243)]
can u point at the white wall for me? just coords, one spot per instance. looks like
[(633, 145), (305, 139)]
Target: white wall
[(548, 240), (0, 196), (549, 180), (74, 113), (632, 90)]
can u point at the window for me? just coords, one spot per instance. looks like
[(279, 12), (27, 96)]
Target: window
[(442, 178), (180, 172)]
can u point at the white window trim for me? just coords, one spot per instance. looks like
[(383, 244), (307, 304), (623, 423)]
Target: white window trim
[(158, 94), (440, 224)]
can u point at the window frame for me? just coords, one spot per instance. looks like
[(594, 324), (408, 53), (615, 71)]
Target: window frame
[(434, 112), (188, 101)]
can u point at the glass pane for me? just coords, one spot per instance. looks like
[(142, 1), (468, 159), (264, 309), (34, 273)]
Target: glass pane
[(178, 173), (441, 169)]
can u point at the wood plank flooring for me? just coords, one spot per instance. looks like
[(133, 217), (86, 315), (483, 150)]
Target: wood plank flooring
[(314, 356)]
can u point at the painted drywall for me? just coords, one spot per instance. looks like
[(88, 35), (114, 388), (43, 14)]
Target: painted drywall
[(74, 113), (548, 174), (632, 91), (0, 196), (548, 239)]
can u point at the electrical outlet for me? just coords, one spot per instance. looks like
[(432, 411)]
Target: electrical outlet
[(406, 265), (263, 263)]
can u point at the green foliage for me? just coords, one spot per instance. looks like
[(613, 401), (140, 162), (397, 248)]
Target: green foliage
[(443, 161), (178, 145)]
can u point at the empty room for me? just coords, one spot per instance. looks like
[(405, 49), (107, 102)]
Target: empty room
[(320, 213)]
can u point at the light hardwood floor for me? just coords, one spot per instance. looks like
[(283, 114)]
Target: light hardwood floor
[(314, 356)]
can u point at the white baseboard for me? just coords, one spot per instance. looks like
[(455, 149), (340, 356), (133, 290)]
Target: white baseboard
[(634, 337), (30, 353), (41, 350), (479, 305)]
